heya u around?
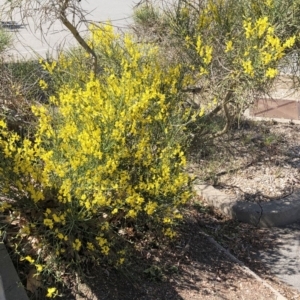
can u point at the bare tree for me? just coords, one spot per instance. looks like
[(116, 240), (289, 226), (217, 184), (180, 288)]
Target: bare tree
[(69, 12)]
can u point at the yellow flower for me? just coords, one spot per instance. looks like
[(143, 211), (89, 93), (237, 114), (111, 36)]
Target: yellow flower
[(262, 25), (248, 28), (266, 57), (43, 84), (269, 3), (199, 46), (25, 230), (77, 245), (105, 250), (289, 42), (2, 124), (271, 73), (114, 211), (202, 111), (151, 207), (29, 259), (49, 223), (208, 54), (51, 292), (167, 221), (60, 236), (56, 218), (101, 241), (90, 246), (229, 46), (170, 233), (248, 68), (39, 268), (131, 214)]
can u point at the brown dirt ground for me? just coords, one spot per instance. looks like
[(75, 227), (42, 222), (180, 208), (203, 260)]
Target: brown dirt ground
[(191, 267), (257, 161)]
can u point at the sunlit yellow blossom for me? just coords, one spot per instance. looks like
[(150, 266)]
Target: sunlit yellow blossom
[(229, 46), (101, 241), (2, 124), (289, 42), (121, 261), (167, 221), (56, 218), (271, 73), (262, 24), (248, 68), (132, 213), (114, 211), (29, 259), (60, 236), (39, 267), (202, 111), (51, 292), (248, 28), (150, 207), (43, 84)]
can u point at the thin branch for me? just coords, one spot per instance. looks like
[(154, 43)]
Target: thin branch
[(77, 35)]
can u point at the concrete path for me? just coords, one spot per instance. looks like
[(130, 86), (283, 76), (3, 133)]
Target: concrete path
[(283, 255), (28, 42), (10, 285)]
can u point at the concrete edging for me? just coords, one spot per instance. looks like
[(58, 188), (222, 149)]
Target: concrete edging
[(11, 284), (265, 214), (244, 267)]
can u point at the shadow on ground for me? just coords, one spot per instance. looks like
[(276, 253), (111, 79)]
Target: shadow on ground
[(191, 267)]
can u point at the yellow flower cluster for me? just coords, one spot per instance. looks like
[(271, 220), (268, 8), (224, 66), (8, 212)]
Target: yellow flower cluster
[(204, 51), (108, 147), (4, 206), (263, 47)]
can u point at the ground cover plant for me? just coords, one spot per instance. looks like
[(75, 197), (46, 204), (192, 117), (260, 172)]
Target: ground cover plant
[(103, 167)]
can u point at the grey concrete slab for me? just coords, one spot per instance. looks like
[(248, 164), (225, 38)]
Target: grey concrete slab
[(283, 255), (264, 214), (28, 41), (12, 286)]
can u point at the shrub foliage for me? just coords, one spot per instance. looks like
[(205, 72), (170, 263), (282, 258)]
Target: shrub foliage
[(106, 155)]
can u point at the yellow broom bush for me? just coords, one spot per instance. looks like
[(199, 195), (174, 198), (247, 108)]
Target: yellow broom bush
[(107, 154)]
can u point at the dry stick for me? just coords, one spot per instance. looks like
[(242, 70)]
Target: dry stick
[(228, 121), (219, 107), (77, 35), (215, 111)]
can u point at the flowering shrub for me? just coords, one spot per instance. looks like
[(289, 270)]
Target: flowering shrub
[(232, 50), (107, 154)]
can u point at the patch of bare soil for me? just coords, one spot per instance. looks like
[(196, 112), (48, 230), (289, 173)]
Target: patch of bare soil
[(257, 161), (244, 241), (191, 267)]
